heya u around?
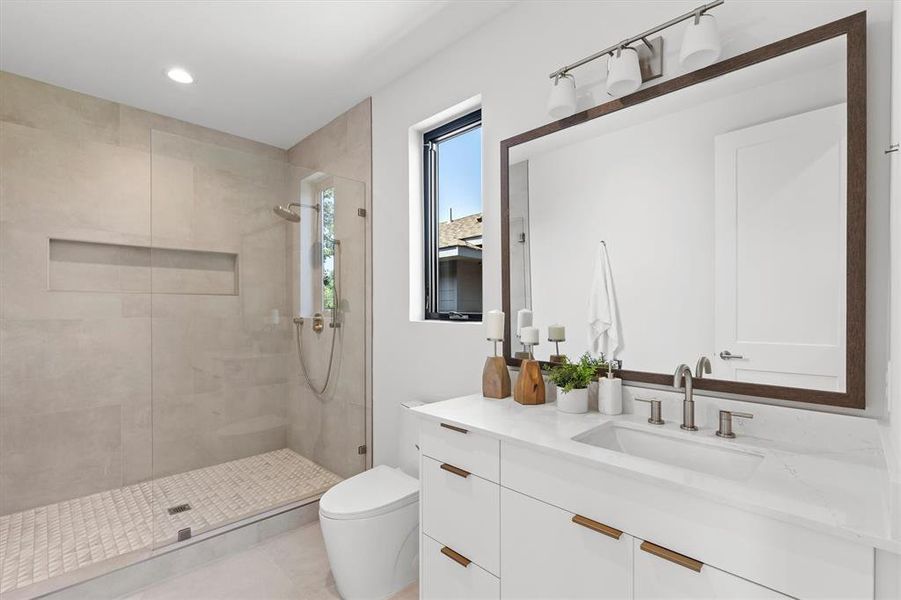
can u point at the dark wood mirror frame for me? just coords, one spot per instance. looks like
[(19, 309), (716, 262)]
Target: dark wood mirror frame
[(854, 27)]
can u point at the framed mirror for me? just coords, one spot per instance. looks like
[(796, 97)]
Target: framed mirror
[(719, 214)]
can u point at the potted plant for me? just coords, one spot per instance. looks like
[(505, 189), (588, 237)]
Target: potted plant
[(572, 381)]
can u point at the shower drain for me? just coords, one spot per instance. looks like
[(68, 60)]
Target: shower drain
[(178, 508)]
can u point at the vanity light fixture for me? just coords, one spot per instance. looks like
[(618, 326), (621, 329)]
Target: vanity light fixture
[(562, 101), (623, 72), (179, 75), (629, 66), (701, 43)]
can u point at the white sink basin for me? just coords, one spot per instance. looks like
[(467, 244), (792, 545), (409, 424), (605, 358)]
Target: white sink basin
[(674, 448)]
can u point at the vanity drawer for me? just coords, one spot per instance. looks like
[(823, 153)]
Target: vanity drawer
[(461, 510), (794, 560), (660, 574), (474, 452), (547, 552), (448, 575)]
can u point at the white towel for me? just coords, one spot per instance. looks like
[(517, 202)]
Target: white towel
[(603, 316)]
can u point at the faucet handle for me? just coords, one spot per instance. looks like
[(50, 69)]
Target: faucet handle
[(725, 430), (655, 418)]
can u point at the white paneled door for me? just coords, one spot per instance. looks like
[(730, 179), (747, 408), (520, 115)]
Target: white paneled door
[(780, 252)]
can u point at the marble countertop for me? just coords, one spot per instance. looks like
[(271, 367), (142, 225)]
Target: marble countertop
[(835, 481)]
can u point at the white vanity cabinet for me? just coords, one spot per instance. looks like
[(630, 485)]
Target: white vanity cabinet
[(515, 521), (662, 575), (460, 512), (547, 552), (451, 577)]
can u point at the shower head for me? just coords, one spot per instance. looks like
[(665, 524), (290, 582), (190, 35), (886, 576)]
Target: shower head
[(286, 213)]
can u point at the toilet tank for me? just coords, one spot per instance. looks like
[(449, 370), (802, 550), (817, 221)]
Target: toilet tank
[(409, 438)]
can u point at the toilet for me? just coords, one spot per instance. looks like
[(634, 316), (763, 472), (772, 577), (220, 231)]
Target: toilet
[(370, 523)]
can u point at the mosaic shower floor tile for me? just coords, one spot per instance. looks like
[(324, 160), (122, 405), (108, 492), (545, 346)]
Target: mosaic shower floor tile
[(41, 543)]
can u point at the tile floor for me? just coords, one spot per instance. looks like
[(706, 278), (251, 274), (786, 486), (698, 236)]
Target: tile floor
[(292, 566), (44, 542)]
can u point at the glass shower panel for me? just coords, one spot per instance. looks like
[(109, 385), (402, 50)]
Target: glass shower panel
[(327, 409), (226, 376), (75, 448)]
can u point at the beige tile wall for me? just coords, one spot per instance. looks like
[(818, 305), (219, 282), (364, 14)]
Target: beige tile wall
[(100, 389), (81, 384), (329, 429)]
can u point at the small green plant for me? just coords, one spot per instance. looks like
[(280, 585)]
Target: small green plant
[(599, 364), (574, 376)]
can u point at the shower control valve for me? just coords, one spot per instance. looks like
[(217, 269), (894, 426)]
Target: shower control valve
[(318, 323)]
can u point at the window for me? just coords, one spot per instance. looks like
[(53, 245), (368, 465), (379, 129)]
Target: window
[(327, 210), (452, 189)]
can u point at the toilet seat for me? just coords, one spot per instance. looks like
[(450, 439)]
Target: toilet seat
[(377, 491)]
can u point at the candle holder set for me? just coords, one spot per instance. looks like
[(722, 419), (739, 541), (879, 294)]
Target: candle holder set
[(495, 376), (529, 387), (556, 334)]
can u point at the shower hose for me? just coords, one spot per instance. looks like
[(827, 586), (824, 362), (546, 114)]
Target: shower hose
[(334, 325)]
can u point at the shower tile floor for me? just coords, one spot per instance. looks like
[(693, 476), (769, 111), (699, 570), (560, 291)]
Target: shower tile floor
[(44, 542)]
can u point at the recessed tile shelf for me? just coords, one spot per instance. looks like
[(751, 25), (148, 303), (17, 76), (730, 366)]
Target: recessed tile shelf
[(80, 266)]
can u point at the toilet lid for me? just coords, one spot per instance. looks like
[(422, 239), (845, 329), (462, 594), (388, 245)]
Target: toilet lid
[(373, 492)]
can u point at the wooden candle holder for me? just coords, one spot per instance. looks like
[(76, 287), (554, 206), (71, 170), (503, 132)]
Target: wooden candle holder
[(529, 388), (495, 378)]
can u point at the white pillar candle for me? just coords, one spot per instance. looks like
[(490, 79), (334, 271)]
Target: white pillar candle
[(556, 333), (494, 325), (523, 319), (529, 335)]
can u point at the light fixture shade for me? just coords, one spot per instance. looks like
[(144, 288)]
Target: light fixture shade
[(700, 44), (562, 101), (623, 72)]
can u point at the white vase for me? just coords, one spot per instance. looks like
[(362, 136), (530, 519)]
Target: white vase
[(575, 401)]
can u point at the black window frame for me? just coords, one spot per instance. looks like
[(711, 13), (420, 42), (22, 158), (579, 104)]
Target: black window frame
[(430, 139)]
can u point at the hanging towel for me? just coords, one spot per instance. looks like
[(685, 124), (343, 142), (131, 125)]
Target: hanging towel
[(603, 316)]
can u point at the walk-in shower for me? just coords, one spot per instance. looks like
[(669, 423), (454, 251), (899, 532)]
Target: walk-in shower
[(149, 386)]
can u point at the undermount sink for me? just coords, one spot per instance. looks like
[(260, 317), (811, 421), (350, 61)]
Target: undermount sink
[(672, 448)]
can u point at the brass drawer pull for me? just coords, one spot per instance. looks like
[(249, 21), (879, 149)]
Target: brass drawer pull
[(454, 428), (455, 556), (599, 527), (455, 470), (673, 557)]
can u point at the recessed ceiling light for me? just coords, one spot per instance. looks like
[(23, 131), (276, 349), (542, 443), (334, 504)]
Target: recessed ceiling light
[(180, 75)]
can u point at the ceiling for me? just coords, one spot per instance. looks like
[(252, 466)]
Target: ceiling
[(272, 71)]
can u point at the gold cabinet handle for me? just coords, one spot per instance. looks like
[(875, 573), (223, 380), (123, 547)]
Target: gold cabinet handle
[(455, 470), (595, 526), (455, 556), (673, 557), (454, 428)]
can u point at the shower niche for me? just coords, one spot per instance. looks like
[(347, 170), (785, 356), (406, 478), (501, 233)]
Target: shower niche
[(82, 266)]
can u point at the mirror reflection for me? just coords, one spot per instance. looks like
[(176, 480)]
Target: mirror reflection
[(706, 222)]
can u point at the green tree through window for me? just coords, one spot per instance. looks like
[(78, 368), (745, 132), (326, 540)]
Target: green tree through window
[(327, 210)]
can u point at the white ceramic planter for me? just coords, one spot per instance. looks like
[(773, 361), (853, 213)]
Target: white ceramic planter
[(575, 401)]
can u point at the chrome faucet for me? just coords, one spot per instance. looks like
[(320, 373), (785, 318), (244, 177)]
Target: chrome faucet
[(688, 404), (702, 367)]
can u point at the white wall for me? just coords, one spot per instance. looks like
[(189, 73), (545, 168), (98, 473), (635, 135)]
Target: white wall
[(507, 62), (895, 383)]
